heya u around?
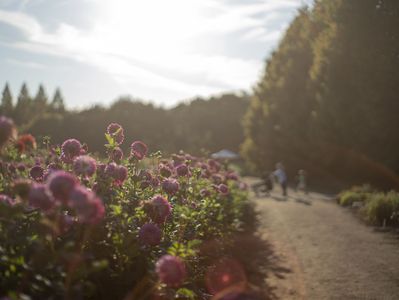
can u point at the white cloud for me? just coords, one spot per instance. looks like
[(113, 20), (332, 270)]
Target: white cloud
[(28, 64), (152, 43), (25, 23)]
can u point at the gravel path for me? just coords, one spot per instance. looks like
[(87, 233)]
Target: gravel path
[(326, 251)]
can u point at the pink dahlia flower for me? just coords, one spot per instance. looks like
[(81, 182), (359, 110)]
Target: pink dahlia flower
[(145, 184), (170, 186), (217, 178), (84, 165), (182, 170), (121, 174), (232, 176), (154, 182), (7, 130), (116, 131), (111, 170), (223, 189), (61, 185), (138, 150), (116, 155), (89, 208), (214, 165), (165, 171), (40, 197), (70, 149), (160, 209), (37, 173), (21, 167), (171, 270), (150, 234)]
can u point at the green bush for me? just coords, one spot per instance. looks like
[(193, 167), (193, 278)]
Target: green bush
[(381, 206), (378, 206), (347, 198), (355, 194)]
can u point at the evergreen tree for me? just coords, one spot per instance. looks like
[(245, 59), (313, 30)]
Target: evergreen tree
[(57, 105), (6, 102), (328, 98), (39, 104), (355, 76), (23, 108), (277, 121)]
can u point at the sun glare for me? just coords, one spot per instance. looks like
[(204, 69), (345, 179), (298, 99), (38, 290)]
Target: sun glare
[(137, 28)]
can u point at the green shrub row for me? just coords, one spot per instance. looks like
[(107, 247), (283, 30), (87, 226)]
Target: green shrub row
[(378, 208)]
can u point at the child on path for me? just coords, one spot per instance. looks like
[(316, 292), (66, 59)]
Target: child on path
[(301, 181), (281, 177)]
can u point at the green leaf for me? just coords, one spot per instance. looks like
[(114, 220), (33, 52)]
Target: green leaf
[(186, 293)]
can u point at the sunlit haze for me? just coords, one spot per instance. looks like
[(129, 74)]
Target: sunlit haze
[(155, 50)]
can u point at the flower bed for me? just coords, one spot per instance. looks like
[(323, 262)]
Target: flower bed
[(131, 226)]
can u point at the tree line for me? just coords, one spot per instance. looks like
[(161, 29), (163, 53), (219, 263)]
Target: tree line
[(328, 100), (28, 108), (200, 125)]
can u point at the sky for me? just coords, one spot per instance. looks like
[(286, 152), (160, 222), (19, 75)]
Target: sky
[(163, 51)]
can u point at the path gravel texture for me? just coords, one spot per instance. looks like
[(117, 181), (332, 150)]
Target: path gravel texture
[(327, 252)]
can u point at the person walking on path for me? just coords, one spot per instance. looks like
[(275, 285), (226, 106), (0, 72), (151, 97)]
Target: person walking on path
[(281, 177)]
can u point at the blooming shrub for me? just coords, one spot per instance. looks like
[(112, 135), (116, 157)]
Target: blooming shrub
[(74, 226)]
